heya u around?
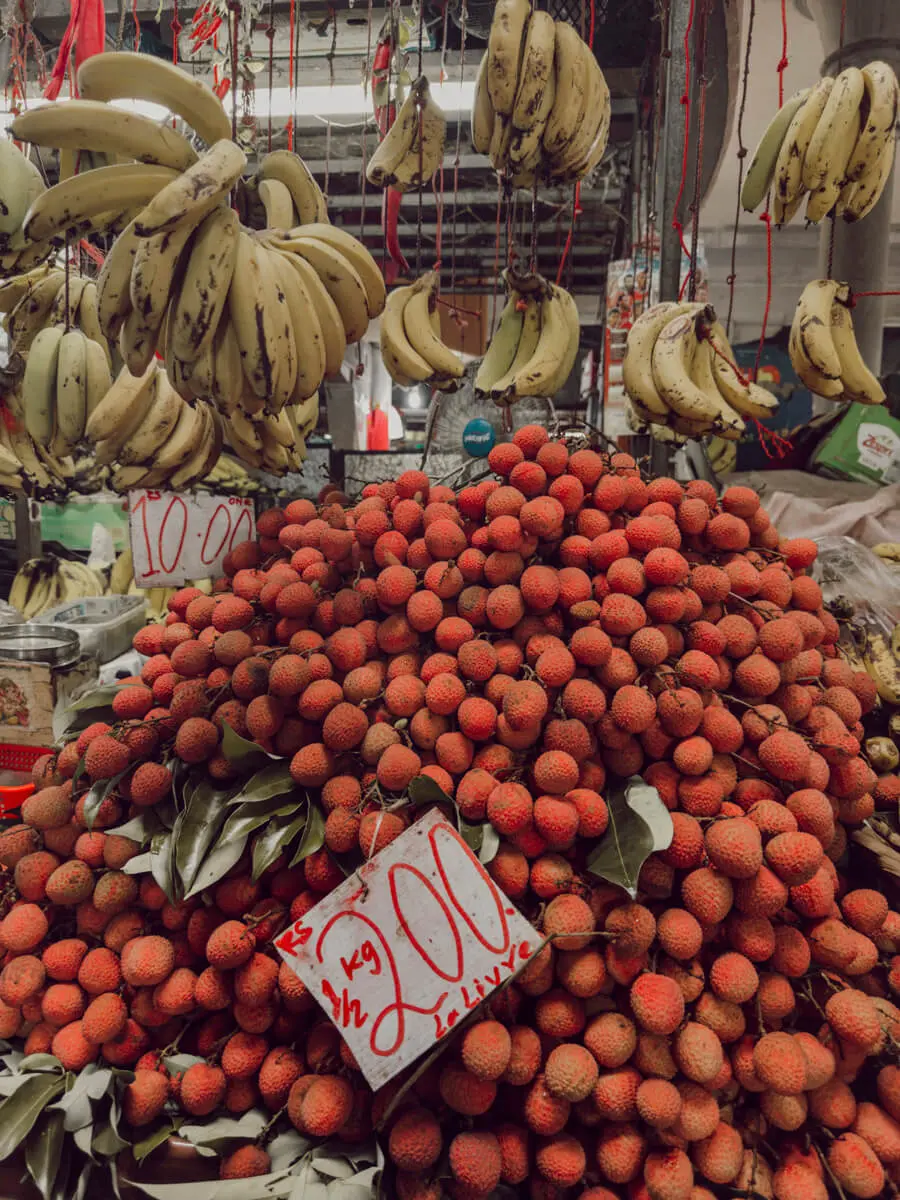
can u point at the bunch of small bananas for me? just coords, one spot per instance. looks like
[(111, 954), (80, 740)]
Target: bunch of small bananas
[(535, 344), (103, 199), (413, 148), (411, 345), (542, 106), (252, 320), (20, 184), (833, 143), (50, 296), (230, 475), (144, 426), (679, 371), (823, 347), (282, 194), (121, 583), (66, 377), (42, 583)]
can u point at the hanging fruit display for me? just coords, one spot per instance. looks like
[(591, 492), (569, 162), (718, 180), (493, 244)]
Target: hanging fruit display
[(823, 347)]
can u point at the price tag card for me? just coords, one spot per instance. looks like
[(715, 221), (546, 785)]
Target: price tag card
[(175, 538), (408, 946)]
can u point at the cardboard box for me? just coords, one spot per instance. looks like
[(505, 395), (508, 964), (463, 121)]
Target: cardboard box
[(29, 694), (864, 445)]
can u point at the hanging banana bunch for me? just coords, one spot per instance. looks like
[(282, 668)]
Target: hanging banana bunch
[(823, 348), (535, 345), (832, 145), (679, 372), (411, 344), (411, 151), (542, 107)]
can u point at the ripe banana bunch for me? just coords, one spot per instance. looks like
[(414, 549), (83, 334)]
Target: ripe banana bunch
[(152, 435), (832, 143), (66, 377), (542, 107), (43, 297), (679, 371), (21, 183), (411, 151), (229, 475), (823, 347), (535, 345), (882, 664), (722, 455), (41, 584), (273, 443), (282, 194), (411, 345)]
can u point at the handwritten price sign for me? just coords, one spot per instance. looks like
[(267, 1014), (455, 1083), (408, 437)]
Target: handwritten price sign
[(174, 538), (407, 946)]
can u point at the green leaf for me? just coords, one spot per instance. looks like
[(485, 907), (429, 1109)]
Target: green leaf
[(490, 843), (313, 835), (176, 1063), (99, 698), (20, 1111), (155, 1138), (273, 780), (331, 1166), (217, 864), (280, 832), (43, 1150), (639, 824), (200, 825), (240, 752), (140, 828), (98, 793), (250, 1126), (287, 1148), (472, 835), (40, 1062), (162, 847), (424, 790), (83, 1138), (108, 1143), (139, 865)]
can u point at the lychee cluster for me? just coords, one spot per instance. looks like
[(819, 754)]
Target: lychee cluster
[(526, 643)]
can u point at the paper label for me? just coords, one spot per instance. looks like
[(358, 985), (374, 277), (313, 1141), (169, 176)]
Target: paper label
[(408, 946), (175, 538)]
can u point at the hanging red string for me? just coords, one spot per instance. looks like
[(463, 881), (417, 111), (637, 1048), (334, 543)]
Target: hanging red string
[(686, 105), (783, 61), (742, 158), (780, 446), (290, 124), (176, 28), (577, 210), (767, 218), (854, 296)]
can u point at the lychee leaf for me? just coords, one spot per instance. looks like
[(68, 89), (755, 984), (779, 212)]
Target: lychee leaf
[(43, 1151), (238, 750), (273, 780), (425, 790), (139, 829), (280, 832), (162, 851), (217, 864), (107, 1142), (98, 793), (490, 843), (139, 865), (20, 1111), (160, 1134), (287, 1148), (40, 1062), (313, 836), (199, 827), (250, 1125), (99, 698), (639, 824)]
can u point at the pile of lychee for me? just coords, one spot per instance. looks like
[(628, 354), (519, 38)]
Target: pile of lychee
[(527, 643)]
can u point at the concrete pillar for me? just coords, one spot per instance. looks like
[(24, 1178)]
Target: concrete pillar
[(871, 31)]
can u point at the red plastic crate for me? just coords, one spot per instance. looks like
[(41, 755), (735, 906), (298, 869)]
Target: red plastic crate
[(22, 759)]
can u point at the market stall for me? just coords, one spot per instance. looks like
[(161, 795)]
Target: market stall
[(449, 645)]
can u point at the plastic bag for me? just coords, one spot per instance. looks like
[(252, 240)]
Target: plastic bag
[(847, 569)]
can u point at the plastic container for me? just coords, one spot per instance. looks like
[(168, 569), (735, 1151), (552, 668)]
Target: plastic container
[(105, 624)]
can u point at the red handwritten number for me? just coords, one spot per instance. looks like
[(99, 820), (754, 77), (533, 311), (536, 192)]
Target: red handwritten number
[(141, 507), (221, 546), (169, 568), (237, 526)]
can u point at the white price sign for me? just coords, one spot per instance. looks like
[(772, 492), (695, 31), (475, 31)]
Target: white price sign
[(408, 946), (175, 538)]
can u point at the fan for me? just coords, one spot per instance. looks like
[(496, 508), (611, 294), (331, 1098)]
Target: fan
[(446, 458)]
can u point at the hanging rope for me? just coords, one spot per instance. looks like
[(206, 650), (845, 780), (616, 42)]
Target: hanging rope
[(686, 105), (783, 61), (420, 116), (577, 210), (463, 15), (742, 158), (176, 27), (270, 34), (702, 83), (291, 54), (365, 128), (235, 11), (831, 230)]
